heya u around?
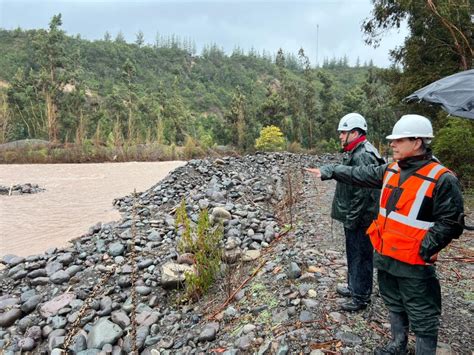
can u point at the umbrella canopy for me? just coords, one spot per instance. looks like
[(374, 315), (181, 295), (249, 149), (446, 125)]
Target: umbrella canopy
[(455, 94)]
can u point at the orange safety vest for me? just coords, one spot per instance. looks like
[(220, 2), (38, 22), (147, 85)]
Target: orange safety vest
[(399, 233)]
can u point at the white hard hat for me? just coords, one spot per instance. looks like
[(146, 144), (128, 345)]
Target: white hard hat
[(412, 126), (351, 121)]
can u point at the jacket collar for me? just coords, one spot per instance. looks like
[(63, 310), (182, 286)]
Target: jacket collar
[(354, 144), (416, 161)]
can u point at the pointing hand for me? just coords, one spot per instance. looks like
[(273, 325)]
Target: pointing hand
[(314, 171)]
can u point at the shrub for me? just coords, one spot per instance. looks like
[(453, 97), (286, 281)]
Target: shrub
[(294, 147), (453, 146), (204, 242), (192, 148), (271, 139)]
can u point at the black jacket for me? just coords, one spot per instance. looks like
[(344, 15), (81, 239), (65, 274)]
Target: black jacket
[(355, 206)]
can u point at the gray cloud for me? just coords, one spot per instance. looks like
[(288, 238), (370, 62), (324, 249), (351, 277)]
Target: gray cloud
[(263, 25)]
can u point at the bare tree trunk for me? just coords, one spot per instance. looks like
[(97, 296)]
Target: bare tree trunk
[(52, 118), (4, 119)]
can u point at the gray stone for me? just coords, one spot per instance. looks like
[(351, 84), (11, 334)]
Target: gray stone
[(247, 328), (31, 304), (89, 352), (143, 290), (147, 318), (250, 255), (143, 264), (73, 270), (52, 307), (60, 277), (165, 343), (116, 249), (294, 271), (103, 332), (39, 281), (56, 341), (282, 348), (306, 316), (338, 317), (9, 317), (348, 338), (280, 317), (209, 332), (8, 302), (24, 323), (65, 258), (34, 332), (58, 322), (230, 312), (12, 260), (25, 296), (244, 343), (142, 333), (120, 318), (309, 303), (258, 237), (220, 214), (26, 344), (52, 267)]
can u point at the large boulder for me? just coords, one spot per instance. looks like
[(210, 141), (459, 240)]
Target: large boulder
[(173, 275)]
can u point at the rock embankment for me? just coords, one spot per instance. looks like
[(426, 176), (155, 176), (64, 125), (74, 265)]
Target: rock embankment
[(276, 293), (21, 189)]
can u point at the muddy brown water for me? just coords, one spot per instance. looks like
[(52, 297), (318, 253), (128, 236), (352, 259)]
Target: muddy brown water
[(77, 196)]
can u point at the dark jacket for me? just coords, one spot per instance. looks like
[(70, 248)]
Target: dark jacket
[(447, 204), (354, 206)]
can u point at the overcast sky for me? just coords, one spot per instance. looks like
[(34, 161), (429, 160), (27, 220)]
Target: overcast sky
[(264, 25)]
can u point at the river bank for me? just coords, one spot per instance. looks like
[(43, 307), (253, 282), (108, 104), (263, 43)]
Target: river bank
[(278, 298)]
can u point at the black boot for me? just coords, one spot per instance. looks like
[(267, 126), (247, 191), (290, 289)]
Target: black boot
[(426, 345), (343, 290), (398, 344)]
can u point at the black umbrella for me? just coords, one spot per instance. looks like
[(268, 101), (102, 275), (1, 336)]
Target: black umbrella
[(455, 94)]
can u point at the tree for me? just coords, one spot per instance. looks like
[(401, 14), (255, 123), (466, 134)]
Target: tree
[(128, 72), (52, 74), (107, 36), (140, 40), (453, 146), (120, 38), (4, 117), (236, 118), (291, 94), (330, 108), (271, 139), (440, 41), (378, 107)]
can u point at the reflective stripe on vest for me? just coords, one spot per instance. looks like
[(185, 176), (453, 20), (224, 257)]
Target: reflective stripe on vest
[(399, 234)]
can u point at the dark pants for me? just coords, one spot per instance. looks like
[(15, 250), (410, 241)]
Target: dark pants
[(359, 253), (420, 299)]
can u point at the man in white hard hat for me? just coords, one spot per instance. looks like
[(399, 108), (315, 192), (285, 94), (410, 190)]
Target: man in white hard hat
[(356, 208), (420, 205)]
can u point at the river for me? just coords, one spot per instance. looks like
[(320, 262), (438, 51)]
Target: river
[(77, 196)]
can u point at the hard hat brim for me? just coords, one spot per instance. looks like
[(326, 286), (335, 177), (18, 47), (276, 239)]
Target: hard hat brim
[(400, 136)]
